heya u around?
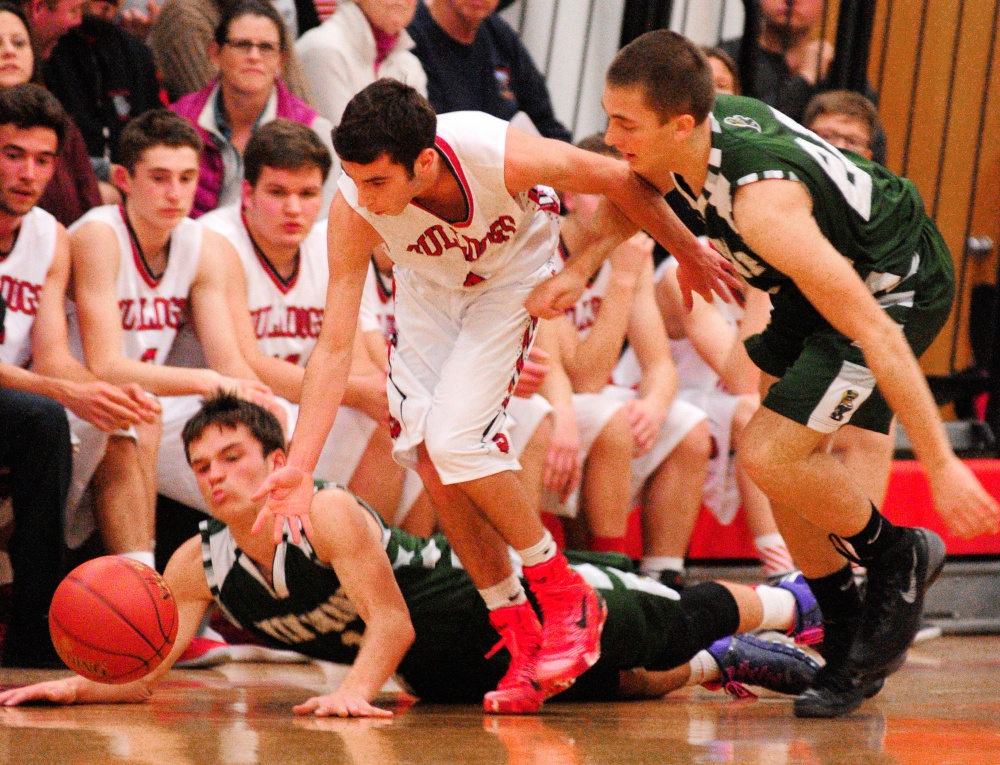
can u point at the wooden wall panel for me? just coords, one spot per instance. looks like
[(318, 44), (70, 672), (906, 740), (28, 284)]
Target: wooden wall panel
[(929, 61)]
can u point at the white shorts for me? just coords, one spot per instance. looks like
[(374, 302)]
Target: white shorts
[(524, 415), (89, 444), (722, 493), (594, 410), (456, 359), (337, 462)]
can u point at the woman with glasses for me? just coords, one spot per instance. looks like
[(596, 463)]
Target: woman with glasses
[(250, 48)]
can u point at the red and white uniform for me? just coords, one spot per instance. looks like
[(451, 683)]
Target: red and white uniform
[(699, 385), (287, 317), (22, 275), (462, 331), (594, 410), (378, 311), (153, 308)]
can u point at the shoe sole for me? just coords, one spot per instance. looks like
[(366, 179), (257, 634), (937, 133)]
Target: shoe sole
[(511, 707), (812, 705), (557, 682)]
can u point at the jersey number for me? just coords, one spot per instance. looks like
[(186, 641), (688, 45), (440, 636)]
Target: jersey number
[(854, 184)]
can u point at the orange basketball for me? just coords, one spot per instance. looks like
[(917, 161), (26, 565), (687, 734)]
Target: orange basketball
[(113, 620)]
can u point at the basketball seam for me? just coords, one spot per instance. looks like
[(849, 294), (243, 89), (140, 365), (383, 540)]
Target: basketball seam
[(159, 622), (115, 610), (108, 651)]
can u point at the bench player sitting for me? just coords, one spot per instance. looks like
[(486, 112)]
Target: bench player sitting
[(416, 609), (277, 292), (143, 269)]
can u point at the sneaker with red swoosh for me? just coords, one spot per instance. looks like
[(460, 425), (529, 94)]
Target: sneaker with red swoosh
[(573, 616)]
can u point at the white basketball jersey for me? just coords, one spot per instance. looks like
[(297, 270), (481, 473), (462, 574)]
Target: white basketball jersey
[(378, 309), (22, 275), (152, 308), (286, 315), (584, 312), (500, 237)]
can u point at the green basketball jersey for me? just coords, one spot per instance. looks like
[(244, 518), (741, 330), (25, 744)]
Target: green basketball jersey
[(871, 216), (305, 608)]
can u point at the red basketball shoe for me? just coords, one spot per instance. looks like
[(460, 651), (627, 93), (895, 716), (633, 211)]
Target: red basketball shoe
[(573, 615), (518, 691)]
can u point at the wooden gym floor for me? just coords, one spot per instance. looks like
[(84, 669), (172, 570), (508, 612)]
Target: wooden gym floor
[(942, 707)]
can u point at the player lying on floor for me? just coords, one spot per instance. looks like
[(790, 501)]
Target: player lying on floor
[(417, 608)]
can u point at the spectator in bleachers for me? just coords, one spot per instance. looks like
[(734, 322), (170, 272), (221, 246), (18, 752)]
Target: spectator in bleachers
[(250, 45), (103, 76), (361, 42), (846, 120), (724, 71), (35, 435), (181, 39), (474, 60), (73, 189), (790, 62)]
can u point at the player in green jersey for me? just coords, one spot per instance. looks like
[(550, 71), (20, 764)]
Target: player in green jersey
[(861, 282), (417, 608)]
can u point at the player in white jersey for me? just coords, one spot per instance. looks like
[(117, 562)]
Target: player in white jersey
[(34, 436), (529, 413), (277, 296), (142, 270), (668, 436), (454, 201), (717, 375)]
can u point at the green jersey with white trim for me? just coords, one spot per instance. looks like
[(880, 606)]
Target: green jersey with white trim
[(872, 217)]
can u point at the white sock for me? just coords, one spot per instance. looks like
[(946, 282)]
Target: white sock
[(654, 564), (774, 555), (779, 608), (143, 556), (543, 550), (704, 669), (508, 592)]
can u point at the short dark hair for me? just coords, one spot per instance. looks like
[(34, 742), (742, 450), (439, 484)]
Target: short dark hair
[(387, 117), (285, 145), (674, 74), (157, 127), (727, 61), (595, 143), (237, 10), (847, 103), (29, 106), (226, 410)]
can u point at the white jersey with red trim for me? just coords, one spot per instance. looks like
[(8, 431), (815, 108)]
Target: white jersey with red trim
[(152, 307), (286, 315), (584, 312), (378, 309), (22, 275), (500, 238)]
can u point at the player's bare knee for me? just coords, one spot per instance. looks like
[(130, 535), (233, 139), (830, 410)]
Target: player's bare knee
[(615, 437), (695, 449)]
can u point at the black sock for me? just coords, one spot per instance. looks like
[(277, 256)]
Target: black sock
[(875, 538), (837, 595)]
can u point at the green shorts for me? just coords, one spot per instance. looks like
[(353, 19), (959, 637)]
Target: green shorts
[(824, 381)]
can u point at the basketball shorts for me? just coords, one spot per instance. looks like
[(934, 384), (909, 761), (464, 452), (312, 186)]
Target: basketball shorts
[(452, 369), (824, 382), (594, 410)]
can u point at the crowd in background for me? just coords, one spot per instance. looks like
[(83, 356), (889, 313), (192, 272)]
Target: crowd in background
[(239, 98)]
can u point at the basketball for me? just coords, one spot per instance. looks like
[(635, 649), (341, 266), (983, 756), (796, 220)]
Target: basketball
[(113, 620)]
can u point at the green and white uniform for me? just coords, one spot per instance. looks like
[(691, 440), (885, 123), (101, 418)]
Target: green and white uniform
[(873, 218), (306, 609)]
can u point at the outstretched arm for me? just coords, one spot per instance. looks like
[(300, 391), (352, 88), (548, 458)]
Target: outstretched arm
[(530, 160), (775, 219), (185, 575), (347, 537), (351, 240)]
